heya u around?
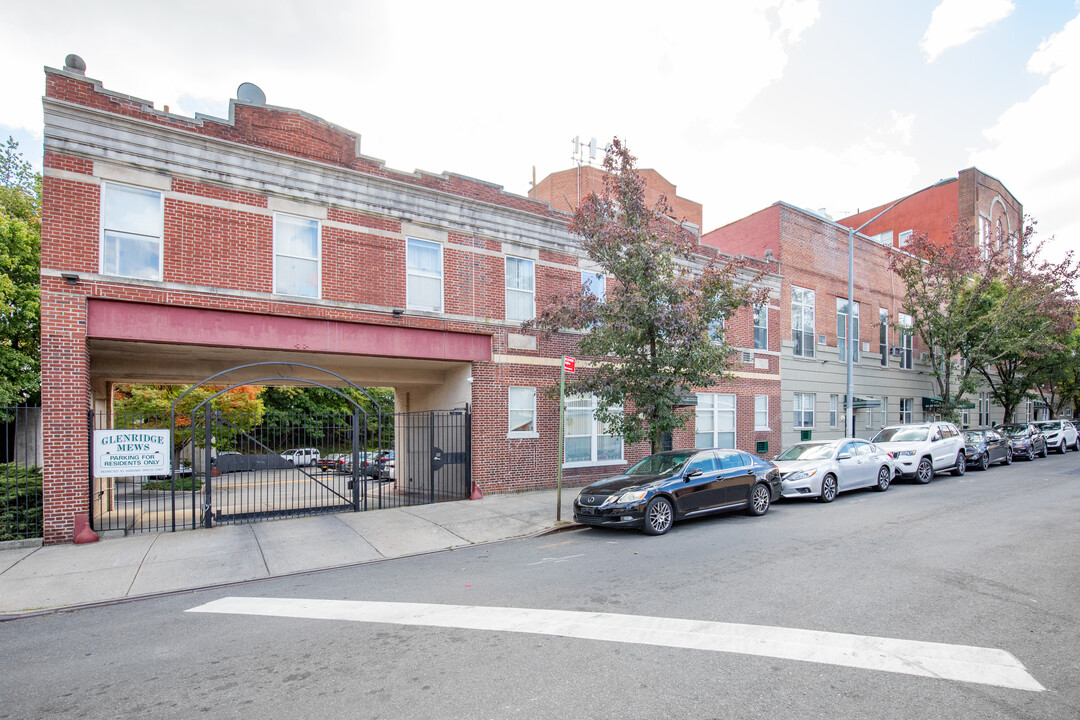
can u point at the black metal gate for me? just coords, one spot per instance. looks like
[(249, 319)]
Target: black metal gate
[(233, 467)]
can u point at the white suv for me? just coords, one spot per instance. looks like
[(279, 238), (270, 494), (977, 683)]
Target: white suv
[(301, 456), (923, 449), (1060, 435)]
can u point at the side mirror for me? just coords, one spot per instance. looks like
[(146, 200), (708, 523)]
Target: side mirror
[(843, 456), (694, 473)]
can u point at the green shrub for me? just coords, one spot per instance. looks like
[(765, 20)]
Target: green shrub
[(20, 502)]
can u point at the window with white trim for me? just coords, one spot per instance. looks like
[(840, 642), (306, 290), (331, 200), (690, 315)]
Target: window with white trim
[(905, 409), (594, 283), (424, 275), (841, 330), (984, 409), (521, 411), (884, 411), (834, 405), (761, 412), (803, 410), (520, 289), (715, 420), (907, 341), (132, 227), (904, 238), (761, 327), (883, 336), (296, 256), (802, 321), (586, 439)]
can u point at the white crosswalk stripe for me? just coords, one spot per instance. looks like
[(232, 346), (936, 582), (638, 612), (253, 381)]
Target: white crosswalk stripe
[(986, 666)]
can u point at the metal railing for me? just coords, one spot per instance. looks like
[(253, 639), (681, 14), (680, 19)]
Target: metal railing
[(20, 474)]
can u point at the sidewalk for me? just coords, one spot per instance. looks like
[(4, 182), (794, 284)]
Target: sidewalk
[(40, 578)]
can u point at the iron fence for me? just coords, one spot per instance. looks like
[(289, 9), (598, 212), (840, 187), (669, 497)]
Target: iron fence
[(20, 474)]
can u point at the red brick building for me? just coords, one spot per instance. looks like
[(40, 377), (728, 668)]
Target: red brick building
[(174, 248)]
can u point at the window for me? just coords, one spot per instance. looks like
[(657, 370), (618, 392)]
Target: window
[(423, 283), (884, 411), (883, 336), (965, 417), (587, 440), (715, 420), (869, 418), (296, 256), (834, 404), (802, 321), (903, 238), (133, 222), (984, 409), (841, 330), (520, 289), (907, 339), (905, 409), (521, 411), (761, 412), (594, 283), (761, 327), (803, 407)]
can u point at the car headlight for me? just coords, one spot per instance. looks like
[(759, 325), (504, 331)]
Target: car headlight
[(903, 453), (802, 475), (627, 497)]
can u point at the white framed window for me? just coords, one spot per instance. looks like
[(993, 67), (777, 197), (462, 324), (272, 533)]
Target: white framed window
[(296, 256), (904, 238), (907, 341), (984, 409), (905, 409), (594, 283), (715, 420), (883, 336), (803, 410), (834, 405), (132, 227), (761, 412), (520, 289), (884, 411), (761, 327), (521, 412), (965, 417), (424, 275), (802, 321), (841, 330), (587, 441), (869, 418)]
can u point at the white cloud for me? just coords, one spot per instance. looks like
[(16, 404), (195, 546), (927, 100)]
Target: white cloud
[(902, 125), (1034, 147), (955, 22)]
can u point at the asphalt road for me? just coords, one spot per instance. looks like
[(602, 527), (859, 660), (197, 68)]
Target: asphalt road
[(990, 560)]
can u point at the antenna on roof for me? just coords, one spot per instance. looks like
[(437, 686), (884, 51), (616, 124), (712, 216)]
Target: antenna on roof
[(250, 93)]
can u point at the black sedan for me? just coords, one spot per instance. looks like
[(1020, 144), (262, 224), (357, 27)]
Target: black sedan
[(670, 486), (984, 447), (1025, 439)]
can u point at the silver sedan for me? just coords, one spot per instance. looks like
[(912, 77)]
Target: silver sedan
[(821, 469)]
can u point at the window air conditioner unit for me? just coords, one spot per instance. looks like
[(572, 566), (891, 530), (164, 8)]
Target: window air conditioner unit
[(821, 339), (896, 351), (747, 357)]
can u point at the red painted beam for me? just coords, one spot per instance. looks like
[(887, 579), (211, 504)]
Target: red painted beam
[(141, 322)]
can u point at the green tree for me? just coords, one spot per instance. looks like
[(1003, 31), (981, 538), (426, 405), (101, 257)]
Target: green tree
[(307, 415), (20, 292), (658, 332)]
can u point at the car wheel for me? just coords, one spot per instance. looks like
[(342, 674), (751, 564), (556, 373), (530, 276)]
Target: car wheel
[(828, 489), (884, 477), (925, 471), (961, 464), (1008, 456), (984, 461), (1043, 453), (759, 500), (658, 516), (1061, 447)]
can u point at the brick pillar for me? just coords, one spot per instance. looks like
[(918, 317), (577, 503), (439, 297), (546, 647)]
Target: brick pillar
[(65, 385)]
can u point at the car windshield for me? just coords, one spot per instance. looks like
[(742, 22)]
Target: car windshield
[(902, 434), (1055, 425), (807, 452), (1013, 430), (660, 464), (973, 437)]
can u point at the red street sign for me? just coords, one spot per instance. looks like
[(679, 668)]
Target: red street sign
[(568, 363)]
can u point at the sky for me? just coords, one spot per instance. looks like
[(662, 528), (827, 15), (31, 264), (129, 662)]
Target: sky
[(831, 105)]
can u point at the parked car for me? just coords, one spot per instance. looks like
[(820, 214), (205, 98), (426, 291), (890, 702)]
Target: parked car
[(922, 449), (335, 462), (821, 469), (301, 457), (1059, 434), (380, 466), (655, 492), (1025, 439), (983, 447)]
